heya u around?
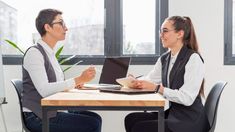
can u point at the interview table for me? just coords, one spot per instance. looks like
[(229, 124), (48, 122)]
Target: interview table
[(95, 100)]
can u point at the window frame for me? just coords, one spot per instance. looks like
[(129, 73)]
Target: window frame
[(113, 38), (229, 59)]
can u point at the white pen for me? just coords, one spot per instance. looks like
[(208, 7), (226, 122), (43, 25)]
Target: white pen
[(78, 62)]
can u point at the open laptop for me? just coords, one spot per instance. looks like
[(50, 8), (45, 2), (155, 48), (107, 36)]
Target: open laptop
[(113, 68)]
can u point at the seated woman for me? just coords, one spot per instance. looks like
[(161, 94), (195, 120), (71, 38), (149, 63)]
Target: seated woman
[(42, 76), (178, 76)]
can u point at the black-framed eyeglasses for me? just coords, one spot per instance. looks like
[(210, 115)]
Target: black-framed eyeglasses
[(163, 31), (62, 23)]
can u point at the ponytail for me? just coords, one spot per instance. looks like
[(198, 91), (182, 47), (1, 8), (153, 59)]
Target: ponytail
[(190, 39)]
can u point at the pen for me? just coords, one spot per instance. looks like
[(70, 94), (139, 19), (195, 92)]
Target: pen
[(78, 62), (139, 76)]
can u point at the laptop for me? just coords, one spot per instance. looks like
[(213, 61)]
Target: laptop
[(113, 68)]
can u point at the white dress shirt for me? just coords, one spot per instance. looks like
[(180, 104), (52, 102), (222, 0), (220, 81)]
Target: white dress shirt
[(34, 64), (194, 74)]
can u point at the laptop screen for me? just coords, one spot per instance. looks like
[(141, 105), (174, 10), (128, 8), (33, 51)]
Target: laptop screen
[(114, 68)]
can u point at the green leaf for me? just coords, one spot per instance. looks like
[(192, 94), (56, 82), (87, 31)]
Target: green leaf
[(72, 65), (57, 55), (67, 59), (14, 45)]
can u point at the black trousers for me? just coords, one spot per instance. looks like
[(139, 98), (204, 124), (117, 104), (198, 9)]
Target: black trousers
[(75, 121), (143, 122)]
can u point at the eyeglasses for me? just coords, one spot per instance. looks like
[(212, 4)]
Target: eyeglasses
[(62, 23), (164, 31)]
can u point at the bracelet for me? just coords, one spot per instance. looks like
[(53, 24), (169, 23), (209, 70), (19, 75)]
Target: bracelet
[(157, 88)]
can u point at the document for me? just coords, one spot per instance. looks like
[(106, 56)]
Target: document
[(126, 82)]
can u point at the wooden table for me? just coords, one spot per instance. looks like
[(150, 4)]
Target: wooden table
[(95, 100)]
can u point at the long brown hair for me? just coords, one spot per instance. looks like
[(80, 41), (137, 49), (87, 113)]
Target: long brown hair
[(189, 38)]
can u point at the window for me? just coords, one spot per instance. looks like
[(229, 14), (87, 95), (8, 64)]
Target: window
[(96, 28), (229, 32), (85, 22), (139, 30)]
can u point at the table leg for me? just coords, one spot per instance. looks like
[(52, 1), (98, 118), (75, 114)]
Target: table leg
[(45, 120), (161, 118)]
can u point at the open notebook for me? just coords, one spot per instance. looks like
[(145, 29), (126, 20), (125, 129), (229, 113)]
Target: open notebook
[(113, 68), (127, 91), (126, 83)]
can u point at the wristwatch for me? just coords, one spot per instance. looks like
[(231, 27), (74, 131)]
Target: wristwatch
[(157, 88)]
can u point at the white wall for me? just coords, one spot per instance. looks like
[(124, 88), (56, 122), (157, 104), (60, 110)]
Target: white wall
[(207, 16)]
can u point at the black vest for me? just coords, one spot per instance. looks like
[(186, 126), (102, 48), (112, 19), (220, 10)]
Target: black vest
[(182, 118), (31, 99)]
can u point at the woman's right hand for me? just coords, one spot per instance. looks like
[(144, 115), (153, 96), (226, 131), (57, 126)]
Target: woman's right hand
[(86, 76), (135, 84)]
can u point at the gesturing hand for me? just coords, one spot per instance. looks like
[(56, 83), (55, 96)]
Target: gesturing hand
[(86, 76)]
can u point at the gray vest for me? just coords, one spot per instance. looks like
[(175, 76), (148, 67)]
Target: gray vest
[(182, 118), (31, 99)]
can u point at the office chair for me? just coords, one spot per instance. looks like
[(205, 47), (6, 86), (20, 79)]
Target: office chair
[(212, 102), (18, 85)]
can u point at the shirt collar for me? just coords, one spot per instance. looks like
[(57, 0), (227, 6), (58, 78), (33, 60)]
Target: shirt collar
[(46, 47), (175, 56)]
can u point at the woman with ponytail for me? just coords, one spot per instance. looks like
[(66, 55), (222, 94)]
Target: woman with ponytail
[(178, 75)]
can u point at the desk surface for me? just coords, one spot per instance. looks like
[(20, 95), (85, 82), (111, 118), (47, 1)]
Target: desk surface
[(89, 99), (96, 98)]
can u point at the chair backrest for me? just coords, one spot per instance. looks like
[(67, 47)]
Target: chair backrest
[(212, 102), (18, 85)]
